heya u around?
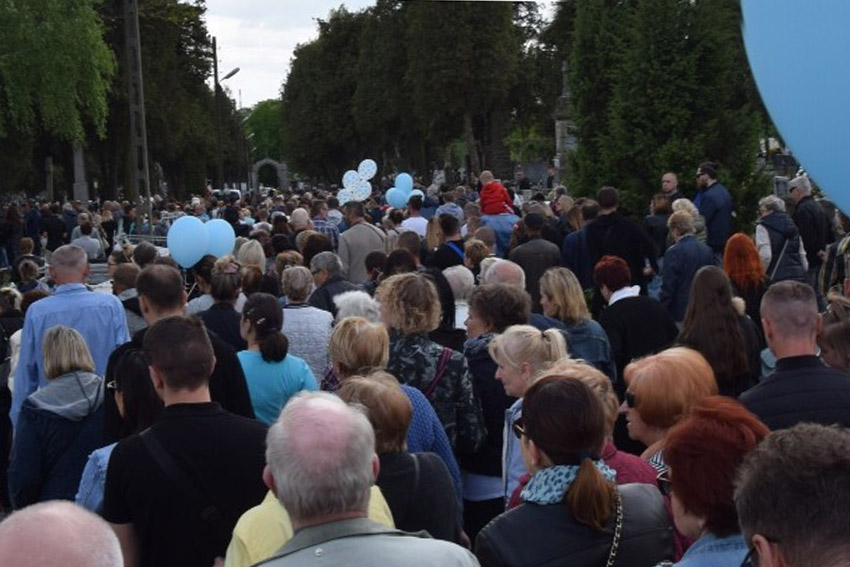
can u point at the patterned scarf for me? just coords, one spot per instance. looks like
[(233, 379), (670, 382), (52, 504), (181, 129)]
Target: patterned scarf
[(548, 486)]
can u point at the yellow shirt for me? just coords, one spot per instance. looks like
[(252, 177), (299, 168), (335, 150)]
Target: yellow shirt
[(264, 529)]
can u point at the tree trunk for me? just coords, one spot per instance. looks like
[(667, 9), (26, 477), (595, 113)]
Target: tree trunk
[(471, 147)]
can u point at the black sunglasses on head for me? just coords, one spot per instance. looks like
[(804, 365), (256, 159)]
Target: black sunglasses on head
[(631, 401)]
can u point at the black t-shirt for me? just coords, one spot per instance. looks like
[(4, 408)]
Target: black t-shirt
[(223, 455), (448, 255), (55, 229)]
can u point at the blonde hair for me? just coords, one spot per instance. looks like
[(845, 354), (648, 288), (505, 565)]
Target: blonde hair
[(357, 344), (564, 290), (667, 385), (251, 254), (287, 259), (433, 234), (225, 279), (686, 205), (524, 344), (413, 302), (476, 251), (65, 350), (593, 379)]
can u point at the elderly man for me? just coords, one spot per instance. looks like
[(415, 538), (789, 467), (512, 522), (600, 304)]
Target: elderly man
[(682, 261), (357, 242), (813, 224), (779, 244), (321, 463), (326, 268), (98, 317), (792, 496), (802, 388), (77, 538)]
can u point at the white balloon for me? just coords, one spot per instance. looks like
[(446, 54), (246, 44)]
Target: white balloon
[(350, 179), (345, 195), (367, 169), (363, 190)]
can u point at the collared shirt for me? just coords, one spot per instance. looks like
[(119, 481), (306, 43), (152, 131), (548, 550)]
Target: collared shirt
[(329, 229), (623, 293), (98, 317)]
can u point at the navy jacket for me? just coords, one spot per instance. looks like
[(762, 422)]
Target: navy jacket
[(716, 206), (813, 225), (780, 229), (681, 263)]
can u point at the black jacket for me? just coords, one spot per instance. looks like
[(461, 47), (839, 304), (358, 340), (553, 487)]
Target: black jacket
[(549, 536), (223, 320), (801, 389), (813, 224), (781, 229), (227, 384), (616, 235), (323, 297), (681, 263), (448, 255)]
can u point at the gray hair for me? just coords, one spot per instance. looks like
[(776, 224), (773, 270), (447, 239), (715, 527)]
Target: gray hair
[(461, 280), (801, 182), (89, 541), (792, 489), (357, 304), (504, 272), (320, 453), (69, 258), (772, 204), (687, 205), (297, 283), (326, 261)]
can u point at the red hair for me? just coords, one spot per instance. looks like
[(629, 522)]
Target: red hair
[(704, 452), (612, 272), (741, 262)]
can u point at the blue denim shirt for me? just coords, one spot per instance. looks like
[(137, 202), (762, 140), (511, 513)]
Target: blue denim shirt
[(503, 226), (712, 551), (93, 481), (586, 340)]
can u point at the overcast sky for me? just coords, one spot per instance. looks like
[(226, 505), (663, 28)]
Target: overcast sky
[(259, 36)]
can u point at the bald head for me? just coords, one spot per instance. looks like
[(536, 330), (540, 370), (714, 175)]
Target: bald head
[(300, 218), (58, 534), (321, 458), (505, 272), (69, 264), (669, 182)]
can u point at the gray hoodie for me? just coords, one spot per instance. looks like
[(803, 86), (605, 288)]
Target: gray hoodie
[(73, 396)]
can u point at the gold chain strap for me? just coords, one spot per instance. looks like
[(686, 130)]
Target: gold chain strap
[(618, 528)]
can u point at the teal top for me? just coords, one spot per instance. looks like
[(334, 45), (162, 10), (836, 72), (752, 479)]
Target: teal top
[(271, 384)]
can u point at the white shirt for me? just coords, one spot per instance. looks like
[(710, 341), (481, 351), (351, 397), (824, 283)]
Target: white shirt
[(623, 293), (417, 224)]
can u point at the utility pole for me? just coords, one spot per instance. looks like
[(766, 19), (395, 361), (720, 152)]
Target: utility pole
[(138, 158), (219, 157)]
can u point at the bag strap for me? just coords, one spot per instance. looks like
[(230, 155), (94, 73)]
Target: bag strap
[(456, 248), (441, 369), (209, 513), (778, 260), (618, 529)]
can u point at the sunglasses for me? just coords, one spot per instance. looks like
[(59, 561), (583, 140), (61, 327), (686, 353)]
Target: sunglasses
[(518, 428), (664, 483), (631, 401), (749, 558)]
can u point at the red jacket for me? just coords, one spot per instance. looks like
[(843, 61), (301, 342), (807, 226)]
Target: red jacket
[(494, 199)]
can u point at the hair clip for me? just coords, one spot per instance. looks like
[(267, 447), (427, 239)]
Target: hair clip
[(230, 268)]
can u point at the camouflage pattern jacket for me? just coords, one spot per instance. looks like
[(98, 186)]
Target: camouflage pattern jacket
[(414, 360)]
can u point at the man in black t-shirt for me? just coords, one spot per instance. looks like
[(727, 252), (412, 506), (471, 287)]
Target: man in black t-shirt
[(174, 492)]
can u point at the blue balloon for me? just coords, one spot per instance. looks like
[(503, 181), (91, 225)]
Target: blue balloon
[(222, 238), (396, 198), (804, 82), (188, 239), (404, 182)]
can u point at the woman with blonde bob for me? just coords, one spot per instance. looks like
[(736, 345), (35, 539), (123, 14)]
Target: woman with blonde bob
[(360, 347), (562, 299), (521, 353), (572, 511), (59, 425), (410, 308), (661, 391)]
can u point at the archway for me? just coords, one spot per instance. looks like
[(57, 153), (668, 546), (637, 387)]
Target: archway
[(282, 173)]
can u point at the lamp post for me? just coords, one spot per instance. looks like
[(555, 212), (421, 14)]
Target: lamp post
[(218, 136)]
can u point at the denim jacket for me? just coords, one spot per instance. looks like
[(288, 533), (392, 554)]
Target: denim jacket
[(513, 466), (93, 482), (712, 551)]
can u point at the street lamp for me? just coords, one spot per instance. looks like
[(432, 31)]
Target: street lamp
[(217, 84)]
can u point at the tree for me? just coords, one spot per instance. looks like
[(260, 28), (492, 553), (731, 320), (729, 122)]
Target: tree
[(55, 68), (264, 124)]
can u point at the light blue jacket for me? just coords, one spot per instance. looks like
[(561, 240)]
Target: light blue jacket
[(711, 551), (93, 481), (513, 467)]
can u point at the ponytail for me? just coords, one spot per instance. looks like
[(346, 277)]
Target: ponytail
[(274, 346), (554, 344), (591, 496)]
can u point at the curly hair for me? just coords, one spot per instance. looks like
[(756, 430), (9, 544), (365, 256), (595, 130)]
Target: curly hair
[(411, 303)]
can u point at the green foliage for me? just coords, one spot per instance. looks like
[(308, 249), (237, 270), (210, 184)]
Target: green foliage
[(55, 68), (264, 123)]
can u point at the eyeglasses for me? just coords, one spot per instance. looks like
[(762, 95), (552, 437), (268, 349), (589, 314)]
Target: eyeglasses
[(631, 401), (664, 483), (518, 428), (748, 558)]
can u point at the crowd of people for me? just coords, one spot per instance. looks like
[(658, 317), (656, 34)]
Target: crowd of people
[(477, 379)]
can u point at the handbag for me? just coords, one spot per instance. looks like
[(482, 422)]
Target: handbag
[(618, 529), (441, 370)]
